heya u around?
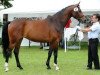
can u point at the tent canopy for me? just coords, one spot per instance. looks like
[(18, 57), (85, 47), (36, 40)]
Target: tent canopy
[(48, 6), (27, 6)]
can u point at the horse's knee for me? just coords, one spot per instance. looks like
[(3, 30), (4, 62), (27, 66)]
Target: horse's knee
[(16, 54), (16, 51), (9, 52), (50, 52)]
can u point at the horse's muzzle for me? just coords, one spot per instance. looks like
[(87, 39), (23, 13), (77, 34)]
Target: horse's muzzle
[(82, 19)]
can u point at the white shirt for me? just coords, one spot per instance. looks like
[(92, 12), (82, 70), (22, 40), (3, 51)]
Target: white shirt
[(95, 30)]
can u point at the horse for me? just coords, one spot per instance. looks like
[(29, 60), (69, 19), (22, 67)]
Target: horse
[(49, 30)]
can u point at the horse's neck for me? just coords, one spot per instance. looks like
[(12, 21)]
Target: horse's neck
[(62, 19), (61, 23), (59, 20)]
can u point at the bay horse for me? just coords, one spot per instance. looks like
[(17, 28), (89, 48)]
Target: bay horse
[(49, 30)]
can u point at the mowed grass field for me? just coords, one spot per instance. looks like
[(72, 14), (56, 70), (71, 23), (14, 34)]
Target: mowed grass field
[(33, 59)]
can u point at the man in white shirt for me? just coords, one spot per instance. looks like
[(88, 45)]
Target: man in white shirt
[(93, 33)]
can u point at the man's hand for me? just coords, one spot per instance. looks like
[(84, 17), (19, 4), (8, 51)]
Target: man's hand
[(78, 27)]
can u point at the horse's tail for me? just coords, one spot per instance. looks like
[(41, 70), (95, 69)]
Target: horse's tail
[(5, 39)]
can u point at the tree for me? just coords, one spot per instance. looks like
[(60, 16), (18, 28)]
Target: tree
[(6, 3)]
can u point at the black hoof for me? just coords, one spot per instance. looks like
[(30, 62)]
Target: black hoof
[(48, 68), (20, 67)]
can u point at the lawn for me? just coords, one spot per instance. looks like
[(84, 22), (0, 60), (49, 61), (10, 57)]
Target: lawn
[(33, 59)]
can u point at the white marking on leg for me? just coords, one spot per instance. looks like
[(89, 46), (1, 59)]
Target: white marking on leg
[(6, 67), (56, 66)]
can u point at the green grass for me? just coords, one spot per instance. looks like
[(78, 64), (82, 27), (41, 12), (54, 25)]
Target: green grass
[(73, 62)]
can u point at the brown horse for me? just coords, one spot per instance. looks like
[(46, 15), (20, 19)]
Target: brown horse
[(47, 30)]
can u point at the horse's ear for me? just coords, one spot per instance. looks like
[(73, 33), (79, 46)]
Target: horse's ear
[(77, 4)]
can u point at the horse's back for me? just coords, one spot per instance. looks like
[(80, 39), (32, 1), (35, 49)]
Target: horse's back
[(38, 30)]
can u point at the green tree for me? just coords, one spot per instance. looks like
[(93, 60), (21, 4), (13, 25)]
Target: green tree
[(6, 3)]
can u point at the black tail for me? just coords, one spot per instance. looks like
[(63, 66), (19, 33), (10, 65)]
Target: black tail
[(5, 39)]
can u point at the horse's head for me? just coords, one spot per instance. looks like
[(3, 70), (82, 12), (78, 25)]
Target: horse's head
[(76, 12)]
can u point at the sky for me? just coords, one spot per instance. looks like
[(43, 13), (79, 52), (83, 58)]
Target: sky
[(51, 5), (46, 5)]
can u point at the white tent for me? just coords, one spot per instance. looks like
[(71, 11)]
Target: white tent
[(41, 6), (46, 7)]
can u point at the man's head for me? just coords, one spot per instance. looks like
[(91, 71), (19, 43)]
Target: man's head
[(95, 18)]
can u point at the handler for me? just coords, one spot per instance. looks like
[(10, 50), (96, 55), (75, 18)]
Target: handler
[(93, 33)]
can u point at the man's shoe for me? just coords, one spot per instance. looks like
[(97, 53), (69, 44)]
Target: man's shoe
[(98, 68)]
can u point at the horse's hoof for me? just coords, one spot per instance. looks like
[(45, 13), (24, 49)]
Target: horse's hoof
[(57, 68), (6, 70), (20, 67), (48, 68), (6, 67)]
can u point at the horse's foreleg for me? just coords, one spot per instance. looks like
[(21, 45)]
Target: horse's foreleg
[(48, 59), (55, 58), (8, 54), (16, 53)]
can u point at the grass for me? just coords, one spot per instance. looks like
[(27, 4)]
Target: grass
[(73, 62)]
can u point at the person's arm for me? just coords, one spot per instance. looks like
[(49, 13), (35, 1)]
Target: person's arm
[(85, 30)]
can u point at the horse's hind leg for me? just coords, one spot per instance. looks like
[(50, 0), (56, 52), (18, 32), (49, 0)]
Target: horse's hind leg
[(8, 54), (16, 53)]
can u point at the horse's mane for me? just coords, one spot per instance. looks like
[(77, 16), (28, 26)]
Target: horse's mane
[(56, 19), (57, 14), (61, 11)]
